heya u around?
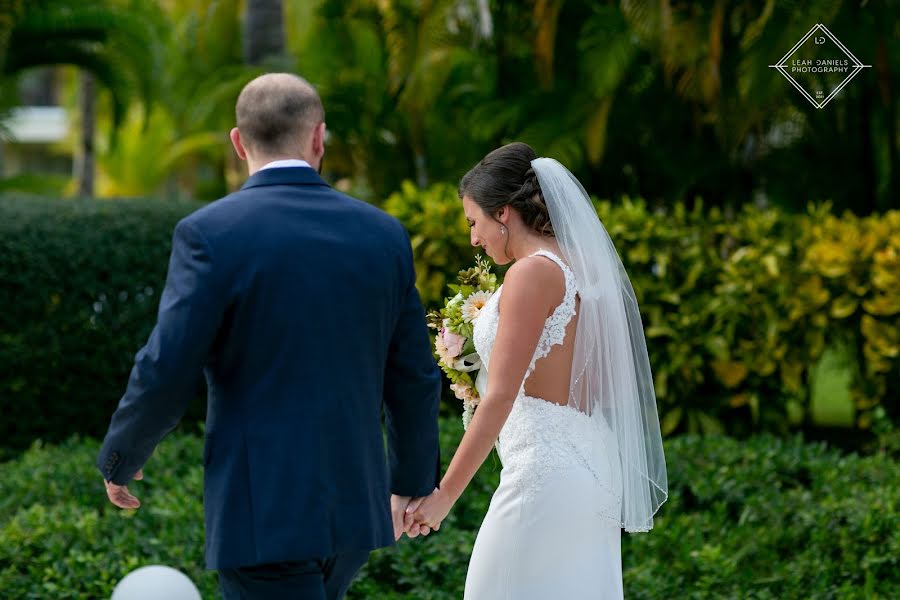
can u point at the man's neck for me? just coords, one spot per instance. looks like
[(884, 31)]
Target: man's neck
[(257, 164)]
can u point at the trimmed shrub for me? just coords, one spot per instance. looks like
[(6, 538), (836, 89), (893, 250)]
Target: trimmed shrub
[(79, 285), (763, 518), (739, 311)]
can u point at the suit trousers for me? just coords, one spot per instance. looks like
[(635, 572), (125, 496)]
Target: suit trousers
[(315, 579)]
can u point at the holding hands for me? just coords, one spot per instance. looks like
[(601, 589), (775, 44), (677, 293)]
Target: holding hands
[(420, 516)]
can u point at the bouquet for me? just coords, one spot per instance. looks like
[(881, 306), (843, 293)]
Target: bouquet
[(454, 322)]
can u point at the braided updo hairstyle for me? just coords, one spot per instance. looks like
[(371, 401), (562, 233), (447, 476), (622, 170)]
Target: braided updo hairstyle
[(504, 177)]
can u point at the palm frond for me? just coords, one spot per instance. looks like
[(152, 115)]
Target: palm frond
[(120, 44), (203, 143), (546, 16), (216, 94), (606, 51), (88, 56), (595, 131)]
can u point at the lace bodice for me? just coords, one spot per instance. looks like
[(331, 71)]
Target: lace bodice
[(554, 332), (540, 439)]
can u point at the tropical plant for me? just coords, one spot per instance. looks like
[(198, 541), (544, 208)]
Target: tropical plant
[(666, 100), (399, 81), (115, 40), (186, 132), (715, 59)]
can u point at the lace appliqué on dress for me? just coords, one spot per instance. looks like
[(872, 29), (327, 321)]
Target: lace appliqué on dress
[(554, 332), (540, 439)]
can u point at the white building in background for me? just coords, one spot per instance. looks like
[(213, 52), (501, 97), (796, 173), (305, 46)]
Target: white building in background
[(31, 133), (38, 125)]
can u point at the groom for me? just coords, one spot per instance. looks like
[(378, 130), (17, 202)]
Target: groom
[(299, 306)]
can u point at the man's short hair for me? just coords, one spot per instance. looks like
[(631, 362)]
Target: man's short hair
[(277, 112)]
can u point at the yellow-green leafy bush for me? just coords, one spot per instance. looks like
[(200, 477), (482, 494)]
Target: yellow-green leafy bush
[(738, 310)]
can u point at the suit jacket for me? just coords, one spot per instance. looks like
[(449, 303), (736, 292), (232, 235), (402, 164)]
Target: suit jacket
[(299, 305)]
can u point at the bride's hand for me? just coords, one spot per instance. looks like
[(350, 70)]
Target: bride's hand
[(433, 510)]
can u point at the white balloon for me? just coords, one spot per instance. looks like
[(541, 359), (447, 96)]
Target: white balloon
[(156, 582)]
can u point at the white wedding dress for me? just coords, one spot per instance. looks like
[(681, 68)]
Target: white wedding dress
[(553, 529)]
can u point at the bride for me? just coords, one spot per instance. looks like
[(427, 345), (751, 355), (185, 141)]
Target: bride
[(569, 393)]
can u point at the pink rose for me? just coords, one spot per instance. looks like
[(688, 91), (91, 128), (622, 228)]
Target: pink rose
[(453, 342), (459, 390)]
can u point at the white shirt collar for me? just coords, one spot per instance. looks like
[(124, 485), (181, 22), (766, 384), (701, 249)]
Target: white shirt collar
[(290, 162)]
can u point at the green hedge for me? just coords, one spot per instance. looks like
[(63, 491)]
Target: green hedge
[(738, 310), (764, 518), (79, 288)]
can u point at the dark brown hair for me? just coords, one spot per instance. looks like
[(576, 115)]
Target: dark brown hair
[(504, 177), (277, 112)]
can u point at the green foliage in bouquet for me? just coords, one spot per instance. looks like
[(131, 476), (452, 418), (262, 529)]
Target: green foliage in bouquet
[(454, 322)]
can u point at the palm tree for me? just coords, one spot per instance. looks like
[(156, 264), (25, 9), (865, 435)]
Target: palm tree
[(714, 58), (399, 81), (187, 127), (423, 55), (115, 44), (683, 93), (85, 169), (648, 97)]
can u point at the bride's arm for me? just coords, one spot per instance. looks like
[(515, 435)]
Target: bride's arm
[(531, 289)]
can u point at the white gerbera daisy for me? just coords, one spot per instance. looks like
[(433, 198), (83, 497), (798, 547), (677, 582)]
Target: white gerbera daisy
[(473, 305)]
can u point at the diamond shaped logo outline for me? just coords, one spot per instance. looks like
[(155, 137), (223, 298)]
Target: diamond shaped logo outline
[(857, 65)]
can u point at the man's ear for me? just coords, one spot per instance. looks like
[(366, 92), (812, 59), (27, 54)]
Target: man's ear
[(237, 143), (318, 141)]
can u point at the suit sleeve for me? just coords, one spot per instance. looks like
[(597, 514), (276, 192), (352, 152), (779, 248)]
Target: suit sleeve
[(168, 368), (412, 397)]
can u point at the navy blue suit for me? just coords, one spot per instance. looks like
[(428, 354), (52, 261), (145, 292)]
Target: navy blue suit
[(299, 305)]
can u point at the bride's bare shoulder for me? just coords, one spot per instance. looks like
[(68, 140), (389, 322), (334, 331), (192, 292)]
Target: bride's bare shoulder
[(532, 283)]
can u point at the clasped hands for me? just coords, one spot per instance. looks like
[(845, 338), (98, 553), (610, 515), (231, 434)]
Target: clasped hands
[(419, 516)]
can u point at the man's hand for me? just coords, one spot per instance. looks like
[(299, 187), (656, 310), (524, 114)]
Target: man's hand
[(119, 494), (402, 509), (398, 514)]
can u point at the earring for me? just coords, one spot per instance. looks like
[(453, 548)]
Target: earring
[(502, 230)]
